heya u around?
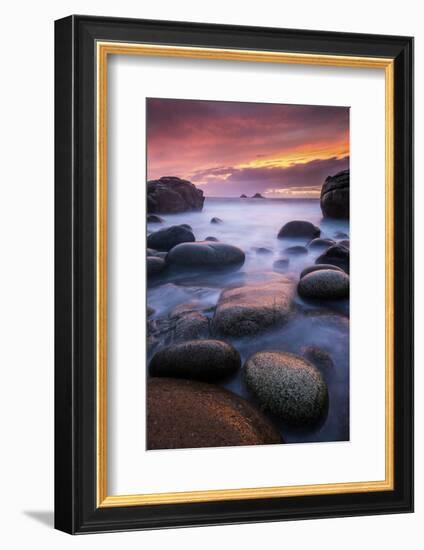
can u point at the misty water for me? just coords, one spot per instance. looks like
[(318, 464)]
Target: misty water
[(251, 224)]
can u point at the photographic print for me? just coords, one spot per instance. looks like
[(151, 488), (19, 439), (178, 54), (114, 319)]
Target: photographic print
[(248, 273)]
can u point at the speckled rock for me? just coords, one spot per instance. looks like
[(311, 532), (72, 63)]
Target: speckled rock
[(288, 386), (319, 267), (324, 284), (207, 360), (206, 254), (186, 414), (253, 308), (299, 229), (167, 238)]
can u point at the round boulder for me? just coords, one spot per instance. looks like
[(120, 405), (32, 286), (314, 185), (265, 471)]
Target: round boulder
[(281, 265), (155, 265), (216, 220), (335, 255), (206, 254), (320, 244), (335, 196), (262, 250), (299, 229), (206, 360), (185, 414), (288, 386), (318, 267), (212, 239), (296, 250), (167, 238), (324, 284)]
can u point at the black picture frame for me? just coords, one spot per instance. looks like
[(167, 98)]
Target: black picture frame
[(76, 510)]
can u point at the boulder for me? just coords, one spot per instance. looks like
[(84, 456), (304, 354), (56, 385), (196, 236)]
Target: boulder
[(262, 250), (171, 195), (320, 244), (243, 196), (186, 414), (206, 254), (341, 235), (296, 250), (212, 239), (335, 255), (253, 308), (216, 220), (335, 196), (186, 226), (155, 265), (317, 267), (167, 238), (324, 284), (207, 360), (288, 386), (257, 196), (345, 243), (299, 229), (153, 218)]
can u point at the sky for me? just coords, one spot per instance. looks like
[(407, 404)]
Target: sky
[(230, 148)]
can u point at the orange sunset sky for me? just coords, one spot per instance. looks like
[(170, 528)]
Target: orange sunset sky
[(229, 148)]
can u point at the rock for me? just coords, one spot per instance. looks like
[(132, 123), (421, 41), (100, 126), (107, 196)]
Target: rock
[(212, 239), (340, 235), (206, 254), (335, 255), (318, 357), (324, 284), (153, 218), (299, 229), (155, 265), (186, 226), (207, 360), (281, 265), (262, 250), (186, 414), (318, 267), (296, 250), (345, 243), (243, 196), (185, 322), (253, 308), (216, 220), (172, 194), (335, 196), (167, 238), (320, 244), (150, 311), (257, 196), (288, 386)]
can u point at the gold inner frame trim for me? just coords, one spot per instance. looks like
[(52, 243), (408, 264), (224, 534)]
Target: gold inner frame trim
[(103, 50)]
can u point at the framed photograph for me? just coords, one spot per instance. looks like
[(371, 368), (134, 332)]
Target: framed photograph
[(234, 274)]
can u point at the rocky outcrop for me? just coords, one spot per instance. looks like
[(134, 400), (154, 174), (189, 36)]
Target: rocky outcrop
[(288, 386), (206, 360), (253, 308), (335, 196), (243, 196), (257, 196), (170, 195), (299, 229), (185, 414)]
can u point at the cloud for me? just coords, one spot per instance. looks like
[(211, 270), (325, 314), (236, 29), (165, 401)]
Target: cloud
[(270, 180)]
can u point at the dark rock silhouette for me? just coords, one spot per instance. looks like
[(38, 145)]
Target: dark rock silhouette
[(335, 196), (257, 196), (172, 195)]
